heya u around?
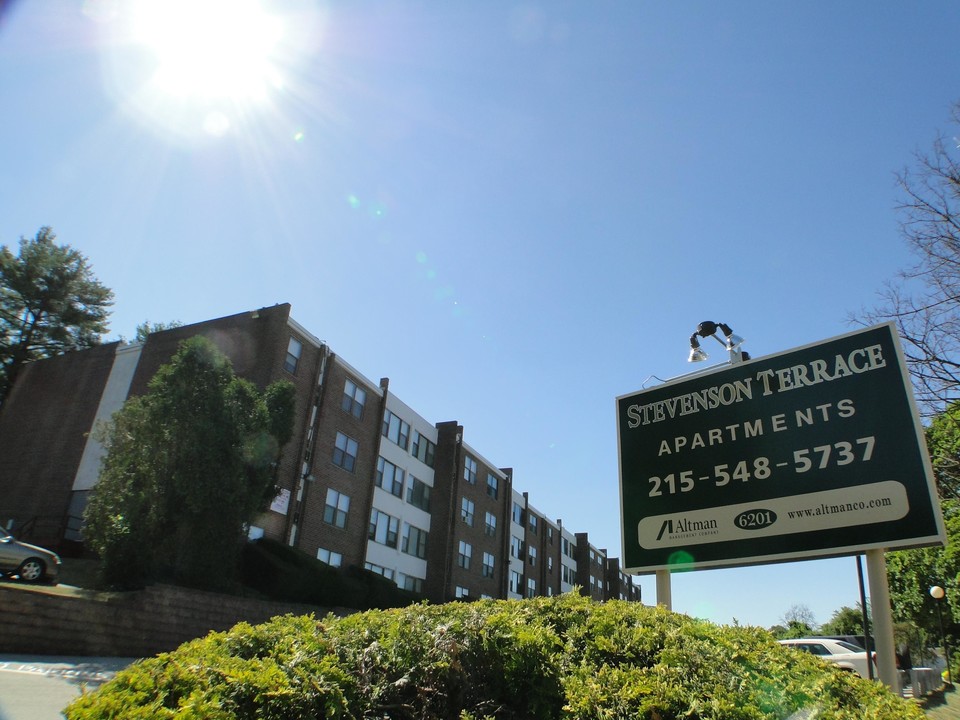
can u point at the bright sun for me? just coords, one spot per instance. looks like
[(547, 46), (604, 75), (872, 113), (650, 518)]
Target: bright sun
[(195, 68), (208, 49)]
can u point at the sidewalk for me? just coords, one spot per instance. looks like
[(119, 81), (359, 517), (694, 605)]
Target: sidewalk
[(943, 705), (35, 687)]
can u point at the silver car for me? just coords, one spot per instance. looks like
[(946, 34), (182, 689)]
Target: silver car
[(27, 562), (846, 655)]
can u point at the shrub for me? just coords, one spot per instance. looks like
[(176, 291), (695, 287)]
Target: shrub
[(545, 658), (284, 573)]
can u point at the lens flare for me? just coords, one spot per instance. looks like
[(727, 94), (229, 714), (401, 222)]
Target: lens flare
[(680, 560)]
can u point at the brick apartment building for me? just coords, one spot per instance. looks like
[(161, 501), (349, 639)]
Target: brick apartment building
[(365, 480)]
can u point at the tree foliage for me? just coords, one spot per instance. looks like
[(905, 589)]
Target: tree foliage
[(797, 621), (146, 327), (845, 621), (50, 302), (924, 301), (943, 444), (911, 573), (538, 659), (187, 466)]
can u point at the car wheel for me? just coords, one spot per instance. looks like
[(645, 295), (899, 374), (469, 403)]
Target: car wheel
[(31, 570)]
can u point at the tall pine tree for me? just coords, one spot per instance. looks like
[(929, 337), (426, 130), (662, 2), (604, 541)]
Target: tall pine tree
[(50, 302)]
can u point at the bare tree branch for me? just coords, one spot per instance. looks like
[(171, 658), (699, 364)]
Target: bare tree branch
[(924, 300)]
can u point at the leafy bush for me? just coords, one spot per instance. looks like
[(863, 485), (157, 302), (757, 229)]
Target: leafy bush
[(561, 657), (281, 572)]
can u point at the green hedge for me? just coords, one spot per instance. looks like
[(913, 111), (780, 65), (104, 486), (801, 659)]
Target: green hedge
[(281, 572), (545, 658)]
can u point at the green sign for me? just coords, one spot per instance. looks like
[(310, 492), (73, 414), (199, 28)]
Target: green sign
[(814, 452)]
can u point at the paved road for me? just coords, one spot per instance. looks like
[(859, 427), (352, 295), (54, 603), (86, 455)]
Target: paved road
[(34, 687)]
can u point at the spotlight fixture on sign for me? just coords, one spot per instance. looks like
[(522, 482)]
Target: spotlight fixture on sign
[(731, 342)]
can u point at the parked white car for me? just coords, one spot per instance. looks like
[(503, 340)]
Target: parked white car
[(846, 655)]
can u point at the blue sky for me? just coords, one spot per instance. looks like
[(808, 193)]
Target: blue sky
[(515, 211)]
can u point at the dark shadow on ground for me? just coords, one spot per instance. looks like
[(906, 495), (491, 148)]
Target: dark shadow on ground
[(942, 703)]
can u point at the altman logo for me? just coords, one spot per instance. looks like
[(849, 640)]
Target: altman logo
[(687, 528)]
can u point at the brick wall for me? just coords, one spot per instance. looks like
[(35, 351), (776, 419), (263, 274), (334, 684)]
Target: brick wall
[(357, 484), (43, 427), (475, 535), (443, 511), (42, 621)]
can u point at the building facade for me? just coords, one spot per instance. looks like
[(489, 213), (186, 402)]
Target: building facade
[(365, 480)]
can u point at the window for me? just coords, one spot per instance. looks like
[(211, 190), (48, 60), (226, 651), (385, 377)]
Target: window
[(517, 513), (488, 565), (418, 494), (384, 528), (345, 452), (515, 580), (490, 524), (396, 429), (533, 555), (516, 547), (549, 564), (813, 648), (464, 554), (409, 582), (389, 477), (462, 593), (531, 587), (568, 574), (354, 399), (386, 572), (533, 523), (329, 557), (470, 470), (422, 449), (294, 348), (414, 541), (493, 485), (466, 511), (336, 508)]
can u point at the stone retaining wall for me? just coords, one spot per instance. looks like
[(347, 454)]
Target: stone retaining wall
[(51, 621)]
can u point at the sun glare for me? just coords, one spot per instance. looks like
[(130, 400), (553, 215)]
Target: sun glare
[(199, 68), (209, 49)]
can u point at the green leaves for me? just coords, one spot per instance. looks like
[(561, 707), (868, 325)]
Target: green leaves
[(548, 658), (50, 302), (911, 573), (189, 464), (845, 621)]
